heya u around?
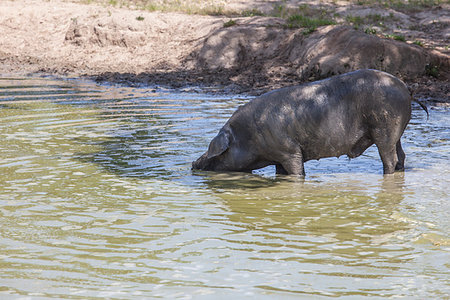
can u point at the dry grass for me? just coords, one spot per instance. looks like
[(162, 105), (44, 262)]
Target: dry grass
[(302, 16), (401, 5), (280, 8), (200, 7)]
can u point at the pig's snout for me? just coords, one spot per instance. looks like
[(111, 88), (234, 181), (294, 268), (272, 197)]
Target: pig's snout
[(200, 163)]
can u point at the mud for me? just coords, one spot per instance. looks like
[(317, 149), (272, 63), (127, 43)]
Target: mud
[(254, 55)]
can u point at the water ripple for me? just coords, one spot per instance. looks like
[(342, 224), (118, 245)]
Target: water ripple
[(97, 200)]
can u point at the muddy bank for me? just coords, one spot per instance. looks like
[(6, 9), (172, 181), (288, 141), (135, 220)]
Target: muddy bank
[(252, 54)]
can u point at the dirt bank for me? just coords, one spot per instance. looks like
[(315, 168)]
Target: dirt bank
[(236, 54)]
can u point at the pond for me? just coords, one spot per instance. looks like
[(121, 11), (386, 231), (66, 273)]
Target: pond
[(97, 200)]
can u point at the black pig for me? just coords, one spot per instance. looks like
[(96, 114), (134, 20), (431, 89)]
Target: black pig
[(341, 115)]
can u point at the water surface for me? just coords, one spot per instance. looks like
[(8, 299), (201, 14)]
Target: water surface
[(97, 200)]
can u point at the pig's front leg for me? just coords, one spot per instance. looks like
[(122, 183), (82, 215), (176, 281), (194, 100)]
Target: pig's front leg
[(280, 170), (292, 165)]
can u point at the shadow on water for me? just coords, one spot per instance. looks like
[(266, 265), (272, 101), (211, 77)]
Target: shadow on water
[(229, 181), (338, 227)]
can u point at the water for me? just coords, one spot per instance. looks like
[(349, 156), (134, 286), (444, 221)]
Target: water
[(97, 200)]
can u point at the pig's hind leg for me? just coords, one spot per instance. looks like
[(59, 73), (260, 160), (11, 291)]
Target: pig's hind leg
[(387, 148), (400, 166)]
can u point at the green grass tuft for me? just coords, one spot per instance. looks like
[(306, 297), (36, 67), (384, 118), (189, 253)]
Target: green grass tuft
[(397, 37), (310, 23), (252, 13), (229, 23), (431, 70), (369, 30)]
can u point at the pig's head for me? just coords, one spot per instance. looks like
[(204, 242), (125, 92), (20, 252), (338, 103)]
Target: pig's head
[(225, 153)]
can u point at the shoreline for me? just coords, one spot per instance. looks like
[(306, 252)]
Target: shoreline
[(253, 55)]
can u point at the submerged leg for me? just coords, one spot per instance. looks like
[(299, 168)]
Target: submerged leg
[(400, 166), (387, 141), (280, 169), (293, 165), (389, 158)]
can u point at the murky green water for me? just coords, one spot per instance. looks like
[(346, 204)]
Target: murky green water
[(97, 200)]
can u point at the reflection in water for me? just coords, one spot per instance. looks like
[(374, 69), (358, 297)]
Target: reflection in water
[(320, 233), (97, 200)]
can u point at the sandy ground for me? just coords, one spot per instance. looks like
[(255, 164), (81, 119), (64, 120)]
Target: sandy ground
[(134, 46), (75, 39)]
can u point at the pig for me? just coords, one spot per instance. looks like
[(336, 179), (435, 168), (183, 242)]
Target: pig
[(340, 115)]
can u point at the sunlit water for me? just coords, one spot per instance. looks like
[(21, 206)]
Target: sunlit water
[(97, 200)]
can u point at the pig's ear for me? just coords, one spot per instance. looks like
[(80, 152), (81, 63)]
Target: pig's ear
[(219, 144)]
